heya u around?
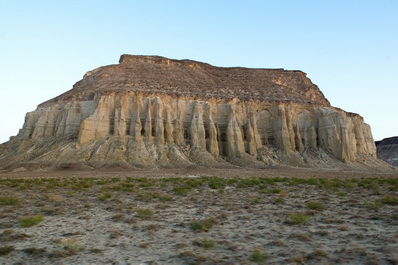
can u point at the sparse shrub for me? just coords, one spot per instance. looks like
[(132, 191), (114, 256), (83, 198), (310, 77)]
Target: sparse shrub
[(280, 242), (278, 201), (297, 259), (4, 200), (152, 227), (70, 245), (30, 220), (144, 196), (373, 205), (275, 190), (207, 243), (258, 255), (314, 205), (96, 250), (319, 253), (254, 200), (144, 213), (54, 197), (11, 235), (203, 225), (388, 199), (6, 249), (163, 206), (34, 251), (181, 190), (298, 218), (105, 196), (216, 183), (118, 217), (248, 182), (145, 245), (322, 233), (62, 253), (187, 254), (194, 183), (114, 179), (191, 255)]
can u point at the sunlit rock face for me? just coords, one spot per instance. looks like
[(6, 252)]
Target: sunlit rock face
[(150, 111)]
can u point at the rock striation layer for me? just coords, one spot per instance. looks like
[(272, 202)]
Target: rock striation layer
[(387, 150), (150, 111)]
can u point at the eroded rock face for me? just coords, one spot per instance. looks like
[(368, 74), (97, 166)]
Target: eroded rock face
[(151, 111), (387, 150)]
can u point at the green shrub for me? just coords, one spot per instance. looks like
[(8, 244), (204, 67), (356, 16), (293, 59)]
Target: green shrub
[(30, 220), (275, 190), (373, 205), (105, 196), (207, 243), (258, 255), (248, 182), (181, 190), (216, 183), (298, 218), (278, 201), (389, 199), (254, 200), (203, 225), (314, 205), (144, 213), (4, 200)]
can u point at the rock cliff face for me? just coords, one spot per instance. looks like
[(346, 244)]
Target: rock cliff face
[(387, 150), (150, 111)]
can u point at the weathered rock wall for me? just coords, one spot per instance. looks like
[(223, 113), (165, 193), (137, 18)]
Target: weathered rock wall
[(150, 111), (143, 130)]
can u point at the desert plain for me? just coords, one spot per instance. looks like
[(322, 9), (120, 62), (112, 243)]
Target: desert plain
[(199, 216)]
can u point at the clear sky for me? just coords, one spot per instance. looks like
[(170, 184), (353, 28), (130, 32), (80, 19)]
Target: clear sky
[(349, 48)]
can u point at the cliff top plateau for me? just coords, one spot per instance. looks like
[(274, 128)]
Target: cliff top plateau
[(155, 74)]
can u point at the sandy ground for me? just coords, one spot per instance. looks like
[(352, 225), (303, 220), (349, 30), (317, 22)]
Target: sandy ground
[(237, 216)]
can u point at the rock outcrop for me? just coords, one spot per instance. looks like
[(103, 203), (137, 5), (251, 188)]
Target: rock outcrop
[(387, 150), (150, 111)]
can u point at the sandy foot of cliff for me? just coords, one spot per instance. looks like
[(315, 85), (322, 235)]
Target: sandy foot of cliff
[(271, 218)]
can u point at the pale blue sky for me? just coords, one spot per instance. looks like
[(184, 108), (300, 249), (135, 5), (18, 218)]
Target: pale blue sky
[(349, 48)]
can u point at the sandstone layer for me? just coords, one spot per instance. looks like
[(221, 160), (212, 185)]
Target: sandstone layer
[(387, 150), (150, 111)]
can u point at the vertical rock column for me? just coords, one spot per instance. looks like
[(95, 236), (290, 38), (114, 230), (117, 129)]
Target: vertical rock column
[(197, 130), (235, 146)]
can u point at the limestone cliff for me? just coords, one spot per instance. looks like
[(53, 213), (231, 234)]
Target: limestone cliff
[(150, 111)]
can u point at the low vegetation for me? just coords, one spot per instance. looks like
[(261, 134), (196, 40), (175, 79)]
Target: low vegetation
[(258, 255), (30, 220), (202, 225), (298, 218), (207, 243), (208, 219), (314, 205), (144, 213), (4, 200)]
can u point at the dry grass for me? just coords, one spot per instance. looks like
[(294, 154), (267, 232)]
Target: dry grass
[(212, 220)]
